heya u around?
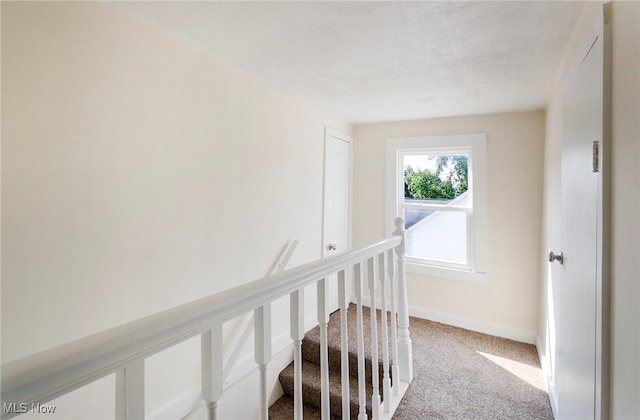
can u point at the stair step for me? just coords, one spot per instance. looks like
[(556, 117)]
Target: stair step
[(283, 410), (311, 389), (311, 343)]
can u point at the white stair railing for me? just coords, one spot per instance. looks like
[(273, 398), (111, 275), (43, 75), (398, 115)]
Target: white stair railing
[(41, 377)]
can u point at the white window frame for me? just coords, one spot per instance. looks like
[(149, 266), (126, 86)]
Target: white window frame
[(475, 146)]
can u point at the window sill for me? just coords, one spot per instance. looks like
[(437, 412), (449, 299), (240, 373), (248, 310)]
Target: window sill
[(446, 273)]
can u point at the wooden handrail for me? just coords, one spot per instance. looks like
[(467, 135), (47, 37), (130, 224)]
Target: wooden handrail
[(43, 376)]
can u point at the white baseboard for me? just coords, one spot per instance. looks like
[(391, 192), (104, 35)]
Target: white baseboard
[(544, 364), (496, 330)]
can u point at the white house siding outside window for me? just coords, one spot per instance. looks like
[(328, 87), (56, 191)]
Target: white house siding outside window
[(438, 185)]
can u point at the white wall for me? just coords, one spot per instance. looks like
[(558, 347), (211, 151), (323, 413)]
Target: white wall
[(625, 224), (507, 304), (139, 174)]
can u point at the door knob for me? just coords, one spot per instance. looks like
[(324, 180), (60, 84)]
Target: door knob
[(332, 247), (554, 257)]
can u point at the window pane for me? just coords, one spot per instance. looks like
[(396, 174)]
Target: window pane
[(437, 178), (437, 235)]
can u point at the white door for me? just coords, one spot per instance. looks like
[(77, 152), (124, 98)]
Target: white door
[(337, 199), (576, 279)]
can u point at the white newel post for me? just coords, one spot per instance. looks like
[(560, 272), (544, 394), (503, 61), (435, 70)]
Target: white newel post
[(130, 392), (212, 380), (405, 357)]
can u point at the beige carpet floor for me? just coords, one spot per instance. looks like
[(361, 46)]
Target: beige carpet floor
[(460, 374)]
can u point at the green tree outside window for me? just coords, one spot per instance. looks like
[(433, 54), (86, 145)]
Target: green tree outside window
[(449, 180)]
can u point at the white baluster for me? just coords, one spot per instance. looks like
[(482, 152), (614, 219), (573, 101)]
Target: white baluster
[(262, 339), (344, 345), (375, 398), (212, 360), (357, 280), (405, 357), (395, 372), (297, 333), (386, 381), (323, 319), (130, 392)]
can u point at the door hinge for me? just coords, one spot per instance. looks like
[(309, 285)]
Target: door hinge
[(596, 151)]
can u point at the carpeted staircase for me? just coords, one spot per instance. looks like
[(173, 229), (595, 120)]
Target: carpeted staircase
[(458, 374), (283, 408)]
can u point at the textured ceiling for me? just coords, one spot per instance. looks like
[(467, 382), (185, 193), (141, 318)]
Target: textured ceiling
[(382, 61)]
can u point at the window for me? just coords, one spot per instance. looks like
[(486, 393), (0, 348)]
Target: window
[(437, 184)]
